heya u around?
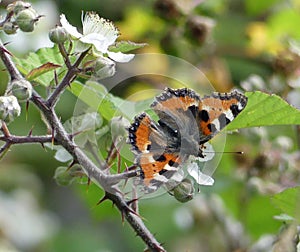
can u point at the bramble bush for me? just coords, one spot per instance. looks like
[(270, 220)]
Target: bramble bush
[(253, 194)]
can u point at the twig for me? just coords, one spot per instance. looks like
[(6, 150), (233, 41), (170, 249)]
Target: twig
[(64, 53), (69, 77), (4, 148), (25, 139)]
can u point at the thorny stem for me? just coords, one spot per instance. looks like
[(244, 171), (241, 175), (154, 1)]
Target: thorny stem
[(26, 139), (69, 77), (64, 53), (99, 176)]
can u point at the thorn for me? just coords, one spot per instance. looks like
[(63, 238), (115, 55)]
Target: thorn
[(30, 131), (52, 137), (125, 180), (132, 211), (6, 51), (88, 185), (102, 200), (133, 167), (71, 165), (55, 78), (118, 162), (129, 202), (77, 133), (27, 107)]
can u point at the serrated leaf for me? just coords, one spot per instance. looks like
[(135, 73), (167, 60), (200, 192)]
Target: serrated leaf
[(288, 201), (39, 58), (36, 72), (125, 46), (265, 110)]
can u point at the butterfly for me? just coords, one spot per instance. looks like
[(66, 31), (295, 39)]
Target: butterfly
[(185, 123)]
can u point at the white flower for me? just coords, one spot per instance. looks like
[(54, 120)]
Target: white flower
[(200, 177), (98, 32), (193, 167)]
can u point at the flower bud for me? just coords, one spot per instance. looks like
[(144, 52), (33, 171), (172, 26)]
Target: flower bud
[(18, 6), (104, 68), (9, 28), (62, 176), (9, 108), (167, 9), (184, 191), (26, 18), (58, 35), (118, 127), (21, 89), (198, 29), (65, 176)]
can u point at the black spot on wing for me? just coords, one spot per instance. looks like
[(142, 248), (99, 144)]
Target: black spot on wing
[(159, 158), (173, 164), (212, 127), (234, 109), (203, 115), (162, 171), (193, 109)]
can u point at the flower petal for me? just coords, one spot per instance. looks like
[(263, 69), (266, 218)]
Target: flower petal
[(97, 40), (92, 23), (69, 28), (207, 151), (120, 57), (200, 178)]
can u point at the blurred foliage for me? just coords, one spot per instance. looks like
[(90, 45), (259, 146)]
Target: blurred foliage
[(252, 45)]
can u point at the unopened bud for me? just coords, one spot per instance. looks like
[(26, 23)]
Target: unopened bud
[(9, 28), (58, 35), (104, 68), (198, 29), (118, 130), (65, 176), (167, 9), (184, 191), (18, 6), (22, 89), (26, 19), (9, 108)]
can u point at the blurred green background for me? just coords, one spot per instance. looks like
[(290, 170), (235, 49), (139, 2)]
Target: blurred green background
[(251, 45)]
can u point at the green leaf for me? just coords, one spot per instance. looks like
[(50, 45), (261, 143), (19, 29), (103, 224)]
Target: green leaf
[(41, 58), (36, 72), (125, 46), (265, 110), (288, 201), (96, 96)]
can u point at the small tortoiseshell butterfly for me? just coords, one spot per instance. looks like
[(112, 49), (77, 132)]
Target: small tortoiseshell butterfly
[(185, 123)]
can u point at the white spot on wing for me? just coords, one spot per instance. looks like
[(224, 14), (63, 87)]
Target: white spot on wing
[(216, 122), (170, 168), (229, 114), (160, 178), (240, 106)]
